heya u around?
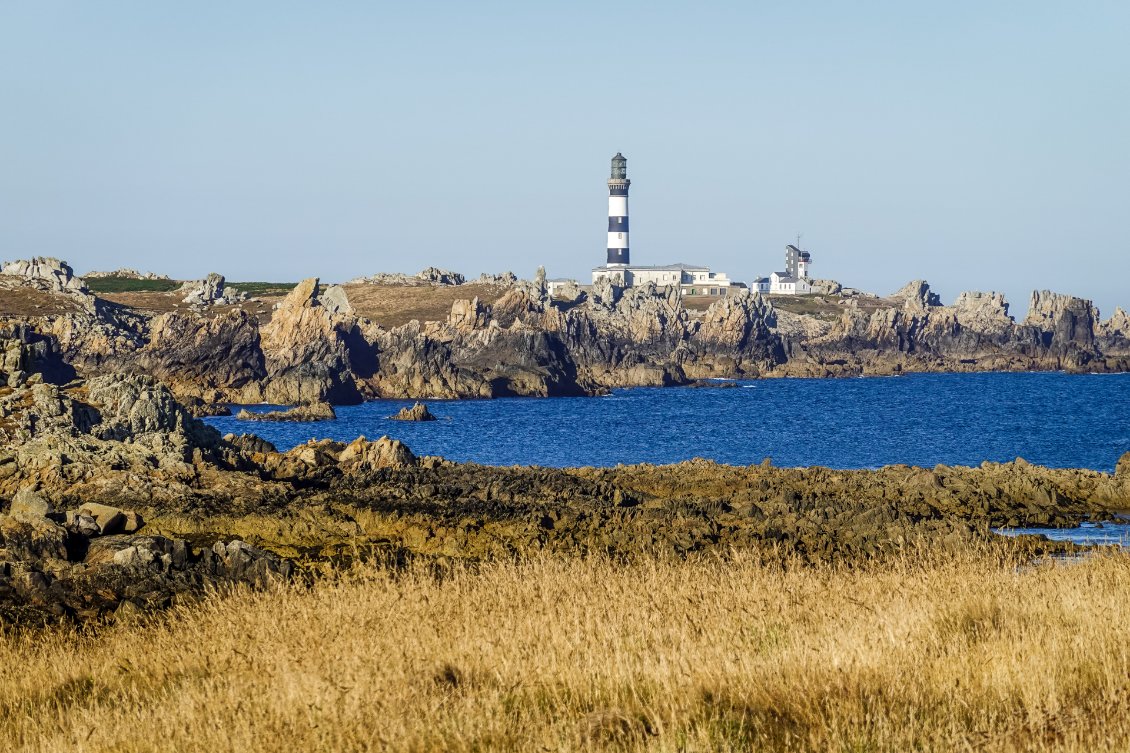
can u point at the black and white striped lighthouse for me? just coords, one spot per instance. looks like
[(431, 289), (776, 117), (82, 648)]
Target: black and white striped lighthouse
[(618, 212)]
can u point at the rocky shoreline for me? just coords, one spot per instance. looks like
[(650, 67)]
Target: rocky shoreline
[(212, 510), (511, 338), (114, 497)]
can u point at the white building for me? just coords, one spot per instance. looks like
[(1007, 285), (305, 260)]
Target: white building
[(688, 278), (793, 281)]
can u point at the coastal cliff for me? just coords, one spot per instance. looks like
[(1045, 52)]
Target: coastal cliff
[(511, 338)]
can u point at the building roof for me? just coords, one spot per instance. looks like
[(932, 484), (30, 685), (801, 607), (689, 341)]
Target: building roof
[(657, 268), (762, 279), (785, 278)]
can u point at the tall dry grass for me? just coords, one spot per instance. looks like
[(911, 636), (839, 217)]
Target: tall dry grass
[(919, 653)]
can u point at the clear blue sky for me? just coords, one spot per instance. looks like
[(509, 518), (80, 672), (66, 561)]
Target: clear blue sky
[(979, 145)]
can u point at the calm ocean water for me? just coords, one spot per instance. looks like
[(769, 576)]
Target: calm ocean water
[(1051, 419)]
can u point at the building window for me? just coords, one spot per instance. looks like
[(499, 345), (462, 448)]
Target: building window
[(619, 235)]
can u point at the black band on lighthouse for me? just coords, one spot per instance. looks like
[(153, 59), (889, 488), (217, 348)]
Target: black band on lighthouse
[(617, 190), (617, 224), (617, 256)]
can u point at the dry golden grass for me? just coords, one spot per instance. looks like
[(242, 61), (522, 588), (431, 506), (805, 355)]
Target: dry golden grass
[(25, 302), (396, 305), (924, 653)]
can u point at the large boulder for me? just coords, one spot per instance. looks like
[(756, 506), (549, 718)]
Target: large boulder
[(52, 274), (210, 291), (363, 455), (336, 301)]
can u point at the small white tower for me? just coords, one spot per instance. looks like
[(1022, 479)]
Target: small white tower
[(618, 213)]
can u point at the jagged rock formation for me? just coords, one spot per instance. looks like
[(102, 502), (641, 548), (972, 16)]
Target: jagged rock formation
[(503, 278), (52, 274), (975, 333), (916, 295), (212, 290), (315, 347), (25, 353), (428, 276)]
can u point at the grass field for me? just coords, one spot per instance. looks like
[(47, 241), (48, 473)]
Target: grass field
[(924, 653), (130, 285)]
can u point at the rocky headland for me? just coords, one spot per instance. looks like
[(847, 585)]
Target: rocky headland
[(346, 344)]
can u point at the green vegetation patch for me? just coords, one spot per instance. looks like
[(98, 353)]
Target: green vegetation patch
[(130, 285), (263, 288)]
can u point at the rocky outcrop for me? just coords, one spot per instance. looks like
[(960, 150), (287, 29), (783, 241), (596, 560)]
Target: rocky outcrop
[(210, 291), (308, 351), (213, 357), (125, 273), (93, 563), (1066, 324), (428, 276), (418, 412), (916, 295), (309, 412), (26, 354), (975, 333), (314, 347), (503, 278), (47, 273)]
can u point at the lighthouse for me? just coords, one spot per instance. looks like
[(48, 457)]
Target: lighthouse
[(618, 212)]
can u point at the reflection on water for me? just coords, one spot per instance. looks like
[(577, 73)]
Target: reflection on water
[(1086, 534)]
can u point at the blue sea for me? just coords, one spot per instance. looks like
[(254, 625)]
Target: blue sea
[(1053, 419)]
